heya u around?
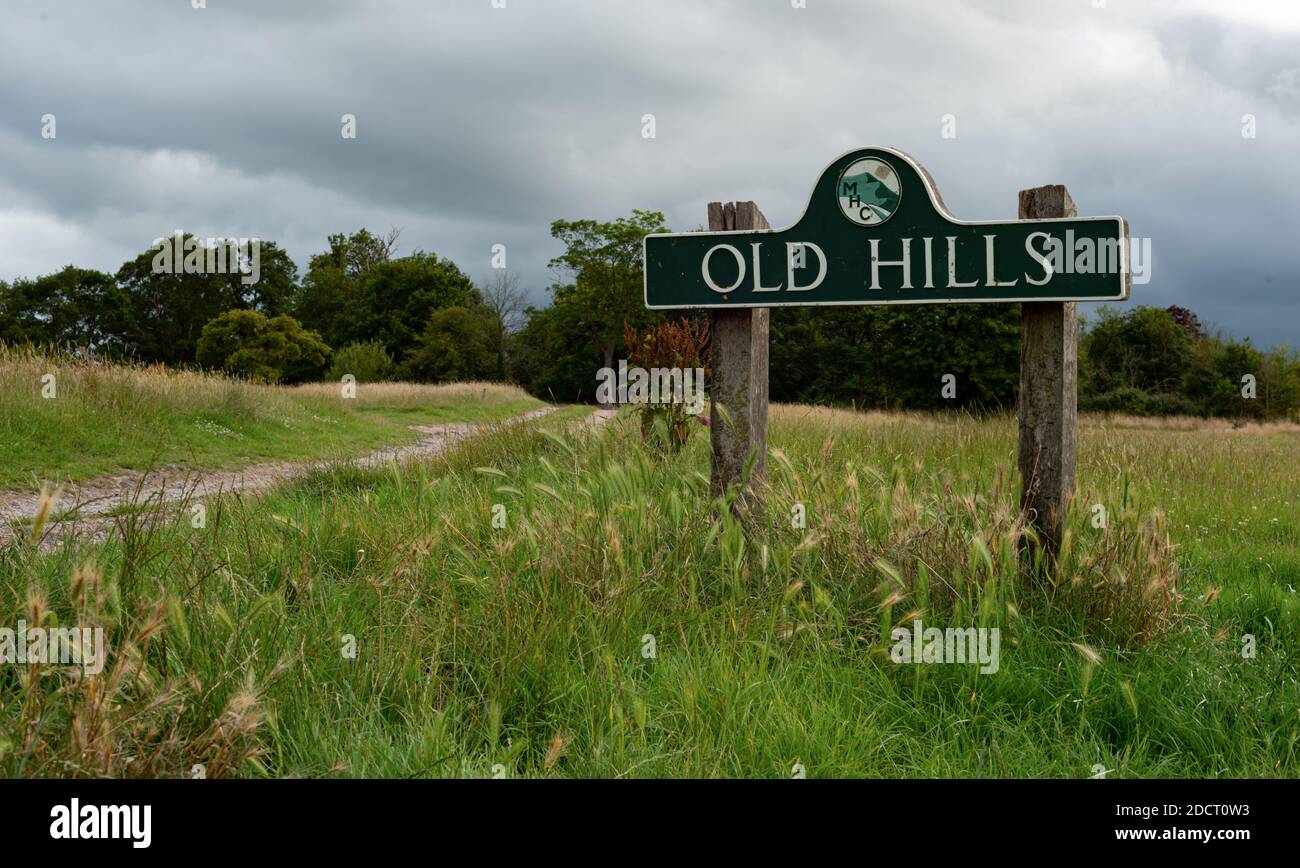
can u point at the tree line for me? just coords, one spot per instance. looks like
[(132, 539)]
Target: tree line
[(1142, 360), (416, 317), (361, 309)]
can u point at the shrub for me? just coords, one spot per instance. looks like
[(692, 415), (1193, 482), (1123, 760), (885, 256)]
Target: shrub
[(368, 361), (682, 345), (456, 345), (1139, 402), (272, 350)]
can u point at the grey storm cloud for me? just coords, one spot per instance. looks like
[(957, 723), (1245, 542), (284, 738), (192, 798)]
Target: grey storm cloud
[(478, 125)]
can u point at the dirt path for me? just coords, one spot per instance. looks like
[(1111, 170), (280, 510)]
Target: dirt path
[(84, 509)]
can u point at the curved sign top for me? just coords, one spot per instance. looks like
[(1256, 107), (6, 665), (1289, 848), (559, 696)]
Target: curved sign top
[(876, 232)]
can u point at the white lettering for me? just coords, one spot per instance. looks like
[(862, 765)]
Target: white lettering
[(708, 278)]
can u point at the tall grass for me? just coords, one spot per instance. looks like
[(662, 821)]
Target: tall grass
[(107, 417), (415, 395), (621, 624)]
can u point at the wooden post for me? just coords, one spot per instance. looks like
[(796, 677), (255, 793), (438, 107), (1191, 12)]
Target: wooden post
[(1048, 391), (738, 375)]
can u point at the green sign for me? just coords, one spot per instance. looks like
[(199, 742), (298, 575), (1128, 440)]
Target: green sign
[(876, 232)]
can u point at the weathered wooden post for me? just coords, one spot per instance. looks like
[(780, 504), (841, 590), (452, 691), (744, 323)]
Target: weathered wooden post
[(1048, 406), (739, 338)]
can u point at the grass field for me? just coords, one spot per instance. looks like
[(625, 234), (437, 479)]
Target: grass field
[(374, 622), (107, 418)]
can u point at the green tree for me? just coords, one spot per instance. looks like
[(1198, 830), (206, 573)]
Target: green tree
[(553, 357), (1143, 348), (1231, 362), (399, 296), (604, 263), (276, 289), (1164, 362), (357, 291), (456, 345), (269, 349), (165, 309), (368, 361), (1279, 383), (330, 293), (75, 307), (896, 357)]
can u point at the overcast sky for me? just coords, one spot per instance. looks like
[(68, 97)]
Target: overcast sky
[(478, 125)]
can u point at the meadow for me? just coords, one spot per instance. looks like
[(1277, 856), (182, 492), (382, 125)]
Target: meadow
[(105, 418), (613, 621)]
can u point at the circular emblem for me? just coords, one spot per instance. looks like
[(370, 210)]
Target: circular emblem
[(869, 191)]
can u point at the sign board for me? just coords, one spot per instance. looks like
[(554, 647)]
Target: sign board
[(876, 232)]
